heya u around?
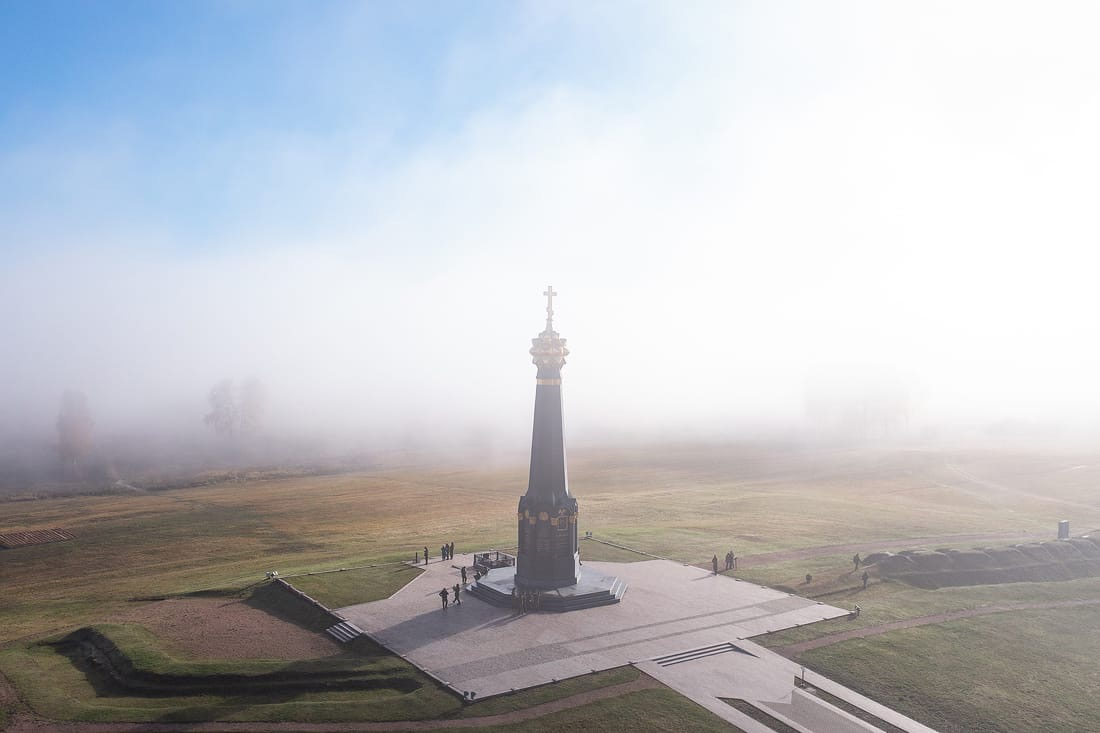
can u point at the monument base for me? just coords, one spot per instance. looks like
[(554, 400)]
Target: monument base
[(592, 589)]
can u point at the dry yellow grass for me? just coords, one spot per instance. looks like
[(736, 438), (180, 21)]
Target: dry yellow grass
[(685, 502)]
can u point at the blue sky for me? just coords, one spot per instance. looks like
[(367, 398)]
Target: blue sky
[(182, 107), (189, 100), (763, 196)]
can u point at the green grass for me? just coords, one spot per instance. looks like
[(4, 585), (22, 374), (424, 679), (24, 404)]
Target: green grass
[(644, 711), (148, 654), (892, 601), (686, 502), (980, 675), (349, 587), (547, 693), (71, 696), (599, 552)]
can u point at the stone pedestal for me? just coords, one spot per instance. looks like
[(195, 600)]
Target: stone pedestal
[(592, 589)]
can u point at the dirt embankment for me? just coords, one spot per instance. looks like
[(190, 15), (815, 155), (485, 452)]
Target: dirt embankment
[(227, 628), (1078, 557), (109, 669)]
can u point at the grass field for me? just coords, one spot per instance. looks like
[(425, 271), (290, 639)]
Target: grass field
[(359, 585), (1029, 671), (686, 502)]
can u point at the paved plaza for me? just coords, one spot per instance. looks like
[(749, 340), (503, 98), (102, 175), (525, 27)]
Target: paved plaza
[(668, 608)]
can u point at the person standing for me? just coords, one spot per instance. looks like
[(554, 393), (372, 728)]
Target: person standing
[(865, 577), (463, 575), (443, 595), (425, 555), (714, 562)]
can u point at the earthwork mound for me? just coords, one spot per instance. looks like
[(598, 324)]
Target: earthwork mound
[(112, 671), (1078, 557)]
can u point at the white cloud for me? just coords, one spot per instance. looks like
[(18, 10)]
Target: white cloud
[(766, 193)]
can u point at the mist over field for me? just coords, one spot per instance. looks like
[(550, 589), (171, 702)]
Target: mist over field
[(846, 221)]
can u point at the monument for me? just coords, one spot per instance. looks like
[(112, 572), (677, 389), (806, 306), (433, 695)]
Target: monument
[(548, 560)]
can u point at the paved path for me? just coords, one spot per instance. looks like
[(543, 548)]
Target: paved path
[(938, 618), (668, 608), (766, 680)]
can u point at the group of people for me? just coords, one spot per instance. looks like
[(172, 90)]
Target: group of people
[(731, 562), (446, 552), (857, 561), (526, 600), (457, 600)]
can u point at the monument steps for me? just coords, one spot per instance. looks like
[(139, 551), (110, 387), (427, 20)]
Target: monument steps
[(344, 632), (692, 654), (574, 598)]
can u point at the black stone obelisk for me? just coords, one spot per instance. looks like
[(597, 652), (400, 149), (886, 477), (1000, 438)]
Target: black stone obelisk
[(548, 556)]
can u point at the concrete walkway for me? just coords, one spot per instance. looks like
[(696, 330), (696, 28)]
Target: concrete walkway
[(668, 608), (767, 681), (682, 625)]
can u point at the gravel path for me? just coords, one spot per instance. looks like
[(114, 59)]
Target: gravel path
[(794, 649)]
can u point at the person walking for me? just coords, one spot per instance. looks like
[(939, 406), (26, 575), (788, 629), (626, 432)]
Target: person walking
[(714, 562), (855, 560), (457, 600), (443, 595)]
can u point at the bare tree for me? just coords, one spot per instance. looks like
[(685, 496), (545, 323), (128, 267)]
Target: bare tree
[(74, 428), (224, 416), (236, 411)]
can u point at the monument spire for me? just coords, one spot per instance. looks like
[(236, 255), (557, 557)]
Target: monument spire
[(548, 564), (547, 513)]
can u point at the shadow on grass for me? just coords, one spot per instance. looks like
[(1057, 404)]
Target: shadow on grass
[(272, 599), (111, 673)]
